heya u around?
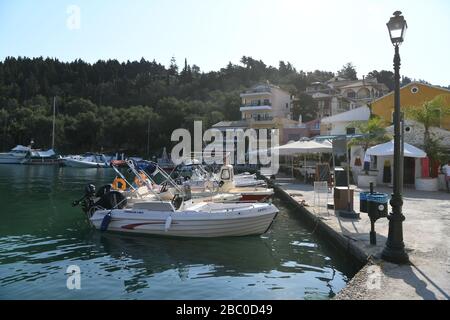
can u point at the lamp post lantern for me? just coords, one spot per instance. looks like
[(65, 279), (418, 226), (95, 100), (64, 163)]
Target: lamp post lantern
[(394, 250)]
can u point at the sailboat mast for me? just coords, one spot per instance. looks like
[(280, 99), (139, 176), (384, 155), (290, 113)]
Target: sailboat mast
[(54, 118)]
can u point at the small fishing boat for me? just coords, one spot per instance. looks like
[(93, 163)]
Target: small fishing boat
[(200, 220), (15, 156), (39, 157), (196, 174), (89, 160), (177, 218), (225, 182), (144, 185)]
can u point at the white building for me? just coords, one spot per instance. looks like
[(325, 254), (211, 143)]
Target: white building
[(265, 102), (339, 95), (344, 123)]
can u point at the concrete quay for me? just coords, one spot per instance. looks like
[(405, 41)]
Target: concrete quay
[(426, 236)]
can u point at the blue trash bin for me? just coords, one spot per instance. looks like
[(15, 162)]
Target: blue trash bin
[(377, 204)]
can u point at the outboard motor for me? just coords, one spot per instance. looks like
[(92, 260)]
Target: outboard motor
[(104, 198), (103, 190), (112, 200), (87, 200)]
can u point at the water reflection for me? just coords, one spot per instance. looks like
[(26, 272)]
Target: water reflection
[(42, 234)]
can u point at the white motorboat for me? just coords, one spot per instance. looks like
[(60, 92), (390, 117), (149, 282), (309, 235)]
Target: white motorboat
[(145, 188), (225, 182), (15, 156), (196, 176), (198, 220), (178, 218), (248, 181), (181, 216), (86, 161), (39, 157)]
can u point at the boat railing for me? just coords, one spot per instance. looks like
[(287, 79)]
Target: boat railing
[(148, 181), (125, 179)]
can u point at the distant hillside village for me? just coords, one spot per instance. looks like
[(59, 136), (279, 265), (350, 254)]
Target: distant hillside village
[(340, 105)]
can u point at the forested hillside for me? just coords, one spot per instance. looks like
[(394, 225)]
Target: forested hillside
[(109, 106)]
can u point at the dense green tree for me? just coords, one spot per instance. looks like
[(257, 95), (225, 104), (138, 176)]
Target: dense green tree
[(305, 106), (348, 72), (383, 76)]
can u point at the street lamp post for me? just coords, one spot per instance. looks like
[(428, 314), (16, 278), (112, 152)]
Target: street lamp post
[(394, 250)]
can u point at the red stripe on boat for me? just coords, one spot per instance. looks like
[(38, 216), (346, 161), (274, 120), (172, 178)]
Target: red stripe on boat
[(134, 225)]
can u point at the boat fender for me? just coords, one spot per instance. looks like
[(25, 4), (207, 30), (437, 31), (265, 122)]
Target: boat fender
[(168, 223), (105, 222)]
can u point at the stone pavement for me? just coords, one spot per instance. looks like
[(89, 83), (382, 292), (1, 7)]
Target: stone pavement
[(426, 236)]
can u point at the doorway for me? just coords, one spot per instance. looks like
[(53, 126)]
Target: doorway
[(409, 170)]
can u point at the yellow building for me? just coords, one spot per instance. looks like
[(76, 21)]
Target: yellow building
[(412, 95)]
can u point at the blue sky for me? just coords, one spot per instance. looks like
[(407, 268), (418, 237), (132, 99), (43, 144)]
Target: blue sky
[(315, 34)]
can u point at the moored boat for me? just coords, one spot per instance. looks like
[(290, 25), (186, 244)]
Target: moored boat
[(39, 157), (110, 211), (199, 220), (86, 161), (15, 156), (225, 182), (167, 209)]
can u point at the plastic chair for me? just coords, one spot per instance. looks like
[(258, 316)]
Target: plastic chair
[(320, 195)]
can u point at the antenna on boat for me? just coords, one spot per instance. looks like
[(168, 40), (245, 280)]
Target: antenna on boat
[(54, 118)]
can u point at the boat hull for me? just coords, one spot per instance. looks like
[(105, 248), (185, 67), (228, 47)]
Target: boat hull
[(83, 164), (249, 197), (5, 159), (249, 183), (190, 224)]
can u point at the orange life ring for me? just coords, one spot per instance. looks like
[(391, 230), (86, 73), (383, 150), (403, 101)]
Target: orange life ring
[(119, 184), (140, 182)]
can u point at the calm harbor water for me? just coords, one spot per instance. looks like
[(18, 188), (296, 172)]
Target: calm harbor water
[(41, 235)]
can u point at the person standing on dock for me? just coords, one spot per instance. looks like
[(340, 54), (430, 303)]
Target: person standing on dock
[(366, 163)]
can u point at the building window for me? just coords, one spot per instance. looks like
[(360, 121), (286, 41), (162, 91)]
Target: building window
[(351, 130), (266, 102), (351, 94), (287, 105), (414, 90)]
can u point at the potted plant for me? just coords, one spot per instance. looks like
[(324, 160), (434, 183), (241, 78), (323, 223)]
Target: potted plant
[(429, 115)]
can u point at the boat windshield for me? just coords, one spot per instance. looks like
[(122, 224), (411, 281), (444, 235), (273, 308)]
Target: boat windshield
[(19, 149)]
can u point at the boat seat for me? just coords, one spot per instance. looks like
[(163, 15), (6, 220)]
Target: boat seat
[(154, 206), (143, 191)]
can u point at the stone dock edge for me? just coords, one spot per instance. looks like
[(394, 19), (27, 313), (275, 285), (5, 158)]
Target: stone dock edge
[(357, 258)]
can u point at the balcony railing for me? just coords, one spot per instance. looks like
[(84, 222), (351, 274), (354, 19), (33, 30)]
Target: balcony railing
[(262, 119), (259, 104)]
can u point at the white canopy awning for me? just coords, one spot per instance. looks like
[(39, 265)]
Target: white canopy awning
[(303, 147), (387, 149), (298, 147)]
